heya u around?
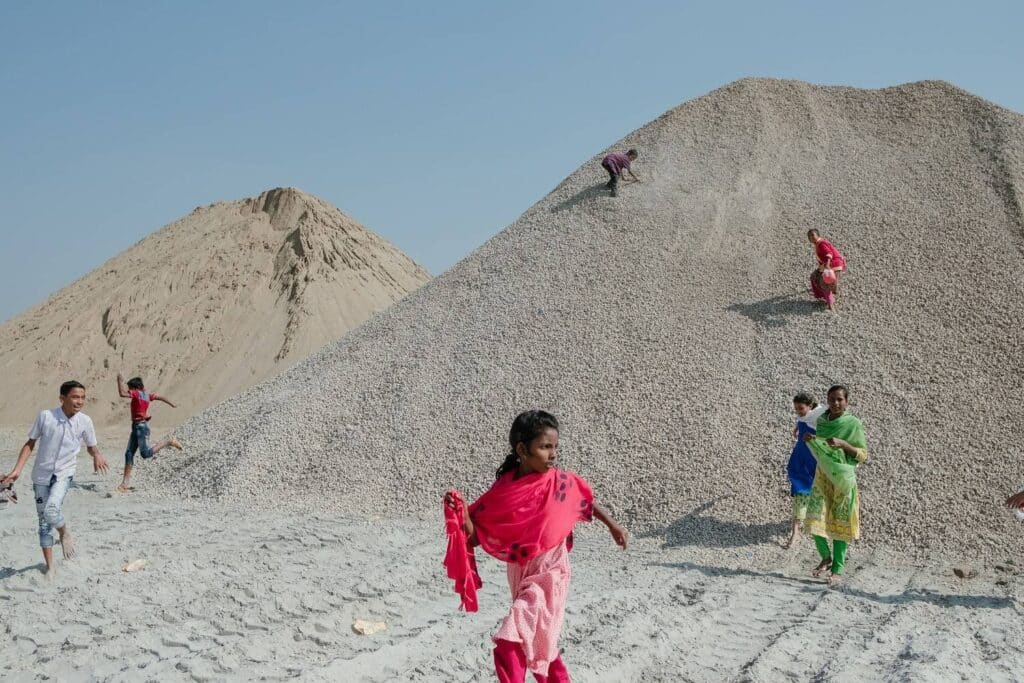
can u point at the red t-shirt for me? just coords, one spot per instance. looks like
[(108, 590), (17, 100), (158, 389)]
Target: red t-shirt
[(140, 404), (824, 249)]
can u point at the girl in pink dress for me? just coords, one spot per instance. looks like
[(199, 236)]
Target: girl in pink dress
[(526, 519), (829, 258)]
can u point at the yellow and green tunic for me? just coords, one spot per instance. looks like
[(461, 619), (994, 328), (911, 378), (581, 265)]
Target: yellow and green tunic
[(833, 509)]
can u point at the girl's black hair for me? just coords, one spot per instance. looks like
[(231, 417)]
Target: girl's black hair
[(136, 383), (525, 428), (840, 387), (814, 231), (804, 399)]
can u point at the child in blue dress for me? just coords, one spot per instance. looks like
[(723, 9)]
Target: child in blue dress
[(801, 463)]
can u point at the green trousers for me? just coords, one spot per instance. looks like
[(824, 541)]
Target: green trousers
[(838, 554)]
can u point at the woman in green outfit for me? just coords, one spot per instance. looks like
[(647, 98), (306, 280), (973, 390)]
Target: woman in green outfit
[(833, 509)]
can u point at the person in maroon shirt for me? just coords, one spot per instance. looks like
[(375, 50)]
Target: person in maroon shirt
[(829, 258), (139, 439), (615, 163)]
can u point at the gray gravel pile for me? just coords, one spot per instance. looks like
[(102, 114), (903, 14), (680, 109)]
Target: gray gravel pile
[(669, 328)]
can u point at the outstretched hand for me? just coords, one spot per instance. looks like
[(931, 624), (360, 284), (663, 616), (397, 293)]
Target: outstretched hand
[(99, 464), (9, 479), (619, 534), (449, 500)]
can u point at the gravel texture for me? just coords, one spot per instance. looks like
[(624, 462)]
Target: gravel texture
[(669, 328)]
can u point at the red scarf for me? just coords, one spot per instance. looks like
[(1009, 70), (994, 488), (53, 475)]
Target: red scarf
[(515, 520), (459, 559)]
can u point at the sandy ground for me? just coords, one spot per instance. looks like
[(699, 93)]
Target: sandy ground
[(229, 594)]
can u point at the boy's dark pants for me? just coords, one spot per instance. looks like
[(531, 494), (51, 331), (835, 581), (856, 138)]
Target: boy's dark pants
[(613, 181)]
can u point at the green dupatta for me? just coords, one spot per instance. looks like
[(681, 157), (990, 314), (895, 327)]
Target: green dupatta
[(833, 462)]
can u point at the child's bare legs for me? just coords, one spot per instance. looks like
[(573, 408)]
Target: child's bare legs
[(792, 534), (147, 452), (799, 515), (68, 547), (126, 480), (171, 441), (833, 290), (51, 568), (66, 542)]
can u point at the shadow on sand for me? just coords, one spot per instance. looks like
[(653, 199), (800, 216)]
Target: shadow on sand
[(586, 194), (777, 311), (907, 596), (697, 529), (8, 572)]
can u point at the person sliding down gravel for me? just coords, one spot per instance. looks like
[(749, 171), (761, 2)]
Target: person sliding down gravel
[(615, 163), (829, 259)]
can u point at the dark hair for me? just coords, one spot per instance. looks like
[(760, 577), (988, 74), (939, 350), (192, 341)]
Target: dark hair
[(813, 231), (839, 387), (803, 398), (136, 383), (525, 428), (66, 388), (633, 153)]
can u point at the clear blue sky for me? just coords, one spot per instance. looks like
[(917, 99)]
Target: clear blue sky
[(434, 124)]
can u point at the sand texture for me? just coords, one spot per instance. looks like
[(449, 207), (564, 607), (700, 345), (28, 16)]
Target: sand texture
[(232, 594), (669, 328), (209, 305)]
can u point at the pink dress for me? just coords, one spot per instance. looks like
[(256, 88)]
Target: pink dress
[(539, 591)]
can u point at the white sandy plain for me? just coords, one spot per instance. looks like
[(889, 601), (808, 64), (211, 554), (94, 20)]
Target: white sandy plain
[(232, 594)]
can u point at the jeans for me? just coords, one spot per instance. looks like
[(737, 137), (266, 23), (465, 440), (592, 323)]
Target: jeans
[(139, 440), (49, 504)]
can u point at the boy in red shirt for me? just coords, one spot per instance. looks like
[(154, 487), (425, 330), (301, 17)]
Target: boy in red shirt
[(139, 439)]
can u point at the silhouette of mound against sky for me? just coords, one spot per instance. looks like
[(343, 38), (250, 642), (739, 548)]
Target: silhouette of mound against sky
[(669, 328), (224, 298)]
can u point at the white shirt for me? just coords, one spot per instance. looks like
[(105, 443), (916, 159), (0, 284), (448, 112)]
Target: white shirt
[(59, 439), (811, 418)]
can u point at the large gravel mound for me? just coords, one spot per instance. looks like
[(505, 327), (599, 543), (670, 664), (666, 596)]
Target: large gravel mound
[(669, 328)]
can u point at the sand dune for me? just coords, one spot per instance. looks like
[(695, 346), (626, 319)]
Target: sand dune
[(203, 308)]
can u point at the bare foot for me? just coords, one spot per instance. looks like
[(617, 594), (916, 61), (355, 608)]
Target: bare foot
[(789, 541), (124, 488), (68, 545), (174, 443), (51, 573), (834, 580), (822, 567)]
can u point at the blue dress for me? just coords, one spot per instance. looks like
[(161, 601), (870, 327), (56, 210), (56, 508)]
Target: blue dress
[(801, 463)]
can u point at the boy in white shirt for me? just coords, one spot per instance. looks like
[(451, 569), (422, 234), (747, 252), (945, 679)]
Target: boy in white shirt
[(60, 433)]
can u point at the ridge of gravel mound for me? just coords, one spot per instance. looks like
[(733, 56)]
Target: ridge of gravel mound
[(669, 328)]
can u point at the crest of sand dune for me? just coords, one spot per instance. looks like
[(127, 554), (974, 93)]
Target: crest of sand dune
[(669, 328), (203, 308)]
